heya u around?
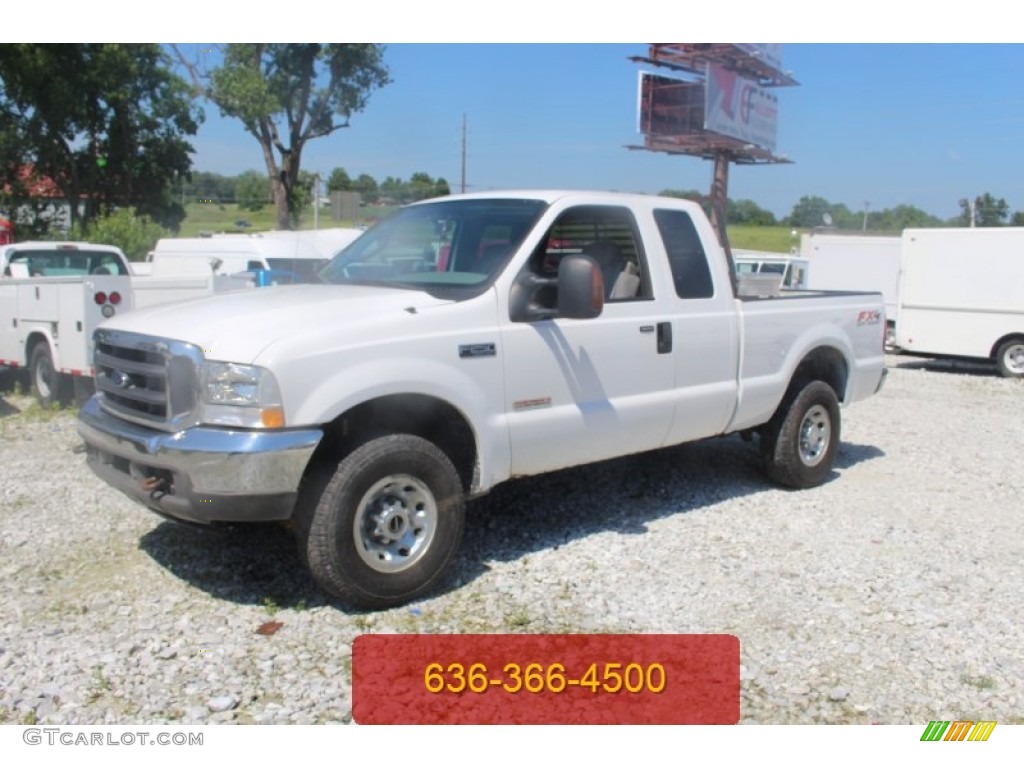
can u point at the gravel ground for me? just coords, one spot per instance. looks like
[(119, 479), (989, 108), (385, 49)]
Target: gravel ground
[(891, 594)]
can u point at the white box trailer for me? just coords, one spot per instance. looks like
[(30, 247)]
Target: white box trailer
[(962, 295), (856, 263)]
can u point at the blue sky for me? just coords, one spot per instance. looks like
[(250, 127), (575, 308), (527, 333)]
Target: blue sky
[(888, 124)]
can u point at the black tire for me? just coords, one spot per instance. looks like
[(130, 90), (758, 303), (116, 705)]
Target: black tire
[(49, 386), (799, 444), (388, 524), (1010, 359)]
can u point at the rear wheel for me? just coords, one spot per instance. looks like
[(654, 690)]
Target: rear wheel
[(388, 524), (799, 444), (49, 386), (1010, 359)]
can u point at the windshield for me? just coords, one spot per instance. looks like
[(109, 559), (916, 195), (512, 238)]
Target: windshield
[(66, 262), (451, 245)]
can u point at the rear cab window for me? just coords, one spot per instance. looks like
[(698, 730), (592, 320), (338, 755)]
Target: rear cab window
[(686, 256), (61, 262)]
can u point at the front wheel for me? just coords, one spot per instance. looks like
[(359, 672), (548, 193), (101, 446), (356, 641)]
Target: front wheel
[(799, 444), (388, 524), (1010, 359)]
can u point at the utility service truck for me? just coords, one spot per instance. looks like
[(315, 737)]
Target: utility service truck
[(461, 342), (56, 294)]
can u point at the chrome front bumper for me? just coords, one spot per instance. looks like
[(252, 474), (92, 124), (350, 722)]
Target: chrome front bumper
[(201, 474)]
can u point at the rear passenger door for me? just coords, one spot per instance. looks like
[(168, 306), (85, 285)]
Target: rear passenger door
[(583, 390), (704, 330)]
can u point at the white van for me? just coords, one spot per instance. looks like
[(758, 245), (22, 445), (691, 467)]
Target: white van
[(279, 257)]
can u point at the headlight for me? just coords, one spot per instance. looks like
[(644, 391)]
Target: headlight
[(241, 396)]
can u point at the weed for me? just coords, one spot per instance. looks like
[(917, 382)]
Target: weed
[(519, 619), (981, 682), (29, 718), (270, 606)]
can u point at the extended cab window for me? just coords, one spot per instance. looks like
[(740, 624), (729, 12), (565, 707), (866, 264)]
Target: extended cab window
[(606, 233), (686, 255)]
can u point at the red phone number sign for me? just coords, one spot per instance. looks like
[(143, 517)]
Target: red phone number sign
[(546, 679)]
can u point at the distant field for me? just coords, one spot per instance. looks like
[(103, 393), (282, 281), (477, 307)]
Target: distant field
[(776, 239), (212, 217)]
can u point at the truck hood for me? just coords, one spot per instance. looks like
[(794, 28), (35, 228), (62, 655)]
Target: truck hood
[(236, 326)]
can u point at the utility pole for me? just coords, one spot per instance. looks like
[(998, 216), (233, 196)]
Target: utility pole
[(866, 206), (463, 185)]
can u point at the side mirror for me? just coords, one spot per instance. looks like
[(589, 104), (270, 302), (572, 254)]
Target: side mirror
[(577, 293), (580, 287)]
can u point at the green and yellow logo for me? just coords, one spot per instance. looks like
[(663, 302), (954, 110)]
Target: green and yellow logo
[(958, 730)]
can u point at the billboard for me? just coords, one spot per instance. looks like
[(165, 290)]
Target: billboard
[(667, 106), (740, 108)]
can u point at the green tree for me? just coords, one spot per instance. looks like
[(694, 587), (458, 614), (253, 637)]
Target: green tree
[(302, 194), (749, 212), (134, 234), (988, 211), (105, 123), (810, 211), (286, 95), (252, 191), (1018, 219), (366, 186), (339, 181), (901, 217), (212, 186)]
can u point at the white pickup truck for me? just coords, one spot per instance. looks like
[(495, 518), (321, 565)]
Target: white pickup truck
[(459, 343)]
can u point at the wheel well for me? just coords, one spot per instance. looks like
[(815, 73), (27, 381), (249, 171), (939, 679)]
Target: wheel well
[(1003, 340), (825, 364), (30, 343), (421, 415)]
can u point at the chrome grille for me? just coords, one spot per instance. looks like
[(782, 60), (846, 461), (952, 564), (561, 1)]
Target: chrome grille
[(147, 380)]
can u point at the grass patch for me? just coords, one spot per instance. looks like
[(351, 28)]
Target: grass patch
[(773, 239), (216, 217), (981, 682)]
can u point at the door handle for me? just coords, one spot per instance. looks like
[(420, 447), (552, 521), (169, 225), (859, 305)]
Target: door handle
[(664, 338)]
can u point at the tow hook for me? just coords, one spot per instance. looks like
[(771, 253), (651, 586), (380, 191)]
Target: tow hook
[(156, 487)]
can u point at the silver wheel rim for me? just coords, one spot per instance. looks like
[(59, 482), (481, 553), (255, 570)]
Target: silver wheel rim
[(44, 373), (1013, 359), (395, 523), (815, 434)]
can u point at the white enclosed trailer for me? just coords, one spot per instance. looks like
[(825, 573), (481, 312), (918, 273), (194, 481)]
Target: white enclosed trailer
[(962, 295), (855, 263)]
